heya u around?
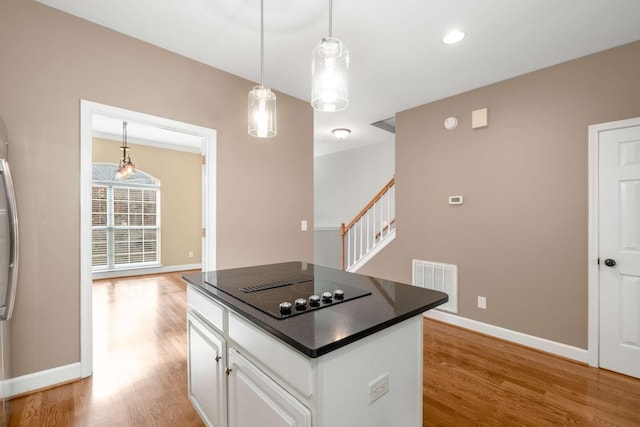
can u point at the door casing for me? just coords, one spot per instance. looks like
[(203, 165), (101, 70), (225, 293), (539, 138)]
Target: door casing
[(209, 149)]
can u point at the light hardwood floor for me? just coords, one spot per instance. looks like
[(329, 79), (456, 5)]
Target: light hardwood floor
[(472, 379), (139, 367), (469, 379)]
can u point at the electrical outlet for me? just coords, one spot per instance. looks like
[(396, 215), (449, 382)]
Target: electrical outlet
[(482, 303), (190, 254), (378, 388), (303, 225)]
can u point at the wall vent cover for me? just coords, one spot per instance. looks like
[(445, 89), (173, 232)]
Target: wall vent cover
[(439, 277)]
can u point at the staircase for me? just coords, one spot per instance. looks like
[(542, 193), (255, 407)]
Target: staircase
[(370, 231)]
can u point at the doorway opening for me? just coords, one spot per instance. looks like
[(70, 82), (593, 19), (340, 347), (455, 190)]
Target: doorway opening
[(90, 115)]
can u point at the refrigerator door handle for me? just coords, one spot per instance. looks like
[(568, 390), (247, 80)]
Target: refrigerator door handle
[(7, 311)]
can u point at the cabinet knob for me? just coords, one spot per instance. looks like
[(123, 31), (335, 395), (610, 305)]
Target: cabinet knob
[(218, 358), (227, 371)]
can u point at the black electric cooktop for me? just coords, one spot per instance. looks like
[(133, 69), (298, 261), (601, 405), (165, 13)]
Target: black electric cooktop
[(283, 294)]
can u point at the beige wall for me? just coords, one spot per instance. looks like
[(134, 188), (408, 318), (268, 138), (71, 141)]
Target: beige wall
[(180, 175), (49, 62), (520, 239)]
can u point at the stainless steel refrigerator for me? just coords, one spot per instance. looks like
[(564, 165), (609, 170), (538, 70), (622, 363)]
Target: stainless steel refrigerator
[(8, 268)]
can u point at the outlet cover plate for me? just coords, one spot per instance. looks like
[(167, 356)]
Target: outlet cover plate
[(378, 388)]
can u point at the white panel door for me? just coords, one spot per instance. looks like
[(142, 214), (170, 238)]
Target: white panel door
[(206, 371), (257, 400), (619, 251)]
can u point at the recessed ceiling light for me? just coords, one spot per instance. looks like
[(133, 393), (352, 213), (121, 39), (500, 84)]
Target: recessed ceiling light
[(453, 37)]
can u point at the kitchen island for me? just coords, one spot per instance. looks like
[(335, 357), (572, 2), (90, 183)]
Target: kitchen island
[(295, 344)]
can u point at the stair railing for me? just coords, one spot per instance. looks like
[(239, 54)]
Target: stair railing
[(369, 227)]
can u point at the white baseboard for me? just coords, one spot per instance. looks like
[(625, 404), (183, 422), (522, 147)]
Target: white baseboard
[(542, 344), (42, 379), (143, 271)]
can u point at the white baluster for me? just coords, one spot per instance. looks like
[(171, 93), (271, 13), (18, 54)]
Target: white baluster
[(374, 223), (368, 228), (388, 214), (349, 248)]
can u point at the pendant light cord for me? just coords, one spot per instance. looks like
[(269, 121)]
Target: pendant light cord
[(262, 43), (330, 18), (124, 133), (124, 141)]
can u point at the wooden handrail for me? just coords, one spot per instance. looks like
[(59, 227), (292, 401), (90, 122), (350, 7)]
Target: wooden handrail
[(344, 229), (371, 203)]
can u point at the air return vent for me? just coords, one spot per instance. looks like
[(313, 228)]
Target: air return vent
[(439, 277)]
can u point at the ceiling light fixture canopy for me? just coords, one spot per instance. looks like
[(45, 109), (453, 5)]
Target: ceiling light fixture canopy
[(341, 133), (453, 37), (127, 168), (262, 102), (329, 73)]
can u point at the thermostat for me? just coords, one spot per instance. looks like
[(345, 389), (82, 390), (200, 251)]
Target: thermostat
[(455, 200)]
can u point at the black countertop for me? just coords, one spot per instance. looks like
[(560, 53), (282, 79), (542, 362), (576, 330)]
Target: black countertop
[(321, 331)]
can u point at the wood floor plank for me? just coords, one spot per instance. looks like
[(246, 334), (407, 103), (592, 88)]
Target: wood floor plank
[(472, 379), (140, 366), (140, 374)]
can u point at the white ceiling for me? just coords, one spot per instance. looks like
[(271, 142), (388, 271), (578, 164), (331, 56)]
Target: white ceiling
[(397, 58), (109, 127)]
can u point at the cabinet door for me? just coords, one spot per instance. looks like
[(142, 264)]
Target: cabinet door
[(257, 400), (206, 367)]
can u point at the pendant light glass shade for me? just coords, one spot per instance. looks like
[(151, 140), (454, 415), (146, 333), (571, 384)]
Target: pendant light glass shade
[(262, 112), (262, 102), (329, 73)]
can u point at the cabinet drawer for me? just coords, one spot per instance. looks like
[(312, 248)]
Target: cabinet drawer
[(275, 356), (207, 308)]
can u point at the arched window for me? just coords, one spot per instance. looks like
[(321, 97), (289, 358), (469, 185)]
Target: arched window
[(125, 219)]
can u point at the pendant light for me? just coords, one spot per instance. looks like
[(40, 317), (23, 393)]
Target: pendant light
[(262, 102), (127, 168), (329, 69)]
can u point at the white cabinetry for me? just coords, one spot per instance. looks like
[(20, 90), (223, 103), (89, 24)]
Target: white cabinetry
[(375, 381), (256, 400), (206, 371), (235, 385)]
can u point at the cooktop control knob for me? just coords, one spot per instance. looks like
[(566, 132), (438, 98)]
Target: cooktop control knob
[(301, 304), (326, 296), (338, 294), (314, 300), (285, 307)]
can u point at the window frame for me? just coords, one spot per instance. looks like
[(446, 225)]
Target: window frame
[(140, 181)]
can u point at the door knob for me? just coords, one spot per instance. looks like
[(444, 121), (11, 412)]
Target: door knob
[(609, 262)]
